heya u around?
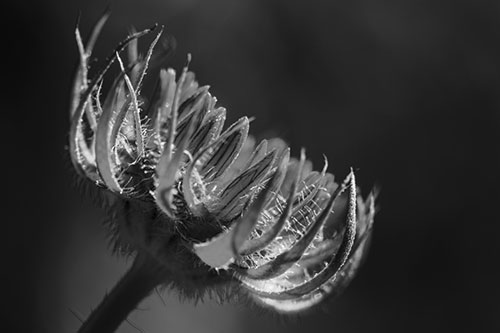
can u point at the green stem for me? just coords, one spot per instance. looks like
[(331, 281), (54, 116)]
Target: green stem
[(139, 281)]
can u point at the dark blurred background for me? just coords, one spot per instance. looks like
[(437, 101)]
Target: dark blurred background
[(407, 92)]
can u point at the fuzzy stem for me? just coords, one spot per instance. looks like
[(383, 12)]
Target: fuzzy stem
[(139, 281)]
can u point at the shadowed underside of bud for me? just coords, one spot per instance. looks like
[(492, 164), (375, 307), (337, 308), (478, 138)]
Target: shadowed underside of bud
[(185, 184)]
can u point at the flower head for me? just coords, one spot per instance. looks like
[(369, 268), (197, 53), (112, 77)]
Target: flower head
[(209, 203)]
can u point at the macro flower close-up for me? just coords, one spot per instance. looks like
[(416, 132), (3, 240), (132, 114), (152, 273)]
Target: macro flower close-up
[(251, 166), (200, 205)]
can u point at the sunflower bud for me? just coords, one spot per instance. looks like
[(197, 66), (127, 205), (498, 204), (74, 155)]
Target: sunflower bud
[(210, 204)]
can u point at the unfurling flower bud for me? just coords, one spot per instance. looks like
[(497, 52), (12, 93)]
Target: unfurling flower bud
[(210, 204)]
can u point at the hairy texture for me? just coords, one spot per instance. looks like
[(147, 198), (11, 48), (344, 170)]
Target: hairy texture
[(210, 204)]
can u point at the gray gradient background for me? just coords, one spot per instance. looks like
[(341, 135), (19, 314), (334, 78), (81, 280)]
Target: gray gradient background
[(406, 91)]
